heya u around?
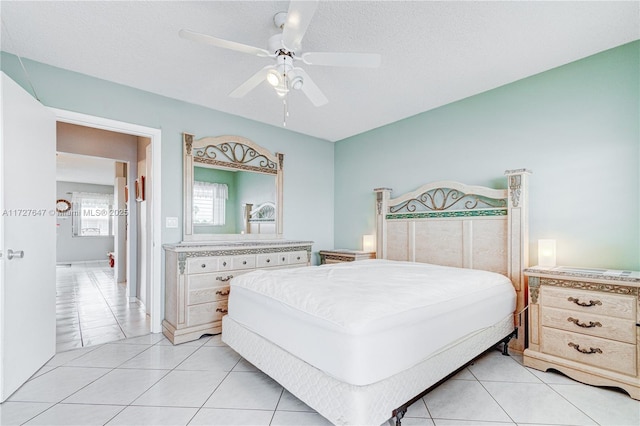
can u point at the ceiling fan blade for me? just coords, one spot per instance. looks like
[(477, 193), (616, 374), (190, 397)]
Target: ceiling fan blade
[(298, 19), (251, 83), (225, 44), (363, 60), (310, 89)]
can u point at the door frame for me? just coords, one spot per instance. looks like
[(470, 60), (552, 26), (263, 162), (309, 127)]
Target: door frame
[(155, 234)]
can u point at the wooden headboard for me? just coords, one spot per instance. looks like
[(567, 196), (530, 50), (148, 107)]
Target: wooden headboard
[(452, 224), (260, 219)]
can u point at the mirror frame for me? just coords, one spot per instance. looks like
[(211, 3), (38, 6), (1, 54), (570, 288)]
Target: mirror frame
[(229, 153)]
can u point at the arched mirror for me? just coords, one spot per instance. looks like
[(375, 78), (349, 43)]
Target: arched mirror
[(232, 189)]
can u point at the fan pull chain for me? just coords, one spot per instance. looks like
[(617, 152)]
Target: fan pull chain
[(284, 100), (285, 112)]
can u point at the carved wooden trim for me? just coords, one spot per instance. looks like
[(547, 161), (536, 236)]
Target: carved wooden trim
[(182, 261), (235, 252), (534, 289), (188, 143), (584, 285)]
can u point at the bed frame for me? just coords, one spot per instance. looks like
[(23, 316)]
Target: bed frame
[(452, 224), (260, 219), (445, 223)]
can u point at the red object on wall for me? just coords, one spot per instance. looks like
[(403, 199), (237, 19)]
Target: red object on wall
[(112, 260)]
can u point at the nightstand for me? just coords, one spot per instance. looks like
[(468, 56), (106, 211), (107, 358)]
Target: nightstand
[(340, 255), (585, 323)]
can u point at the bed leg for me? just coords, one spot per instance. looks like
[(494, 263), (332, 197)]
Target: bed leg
[(398, 415), (505, 341)]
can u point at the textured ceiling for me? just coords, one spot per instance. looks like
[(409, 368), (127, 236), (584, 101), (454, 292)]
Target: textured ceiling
[(433, 53)]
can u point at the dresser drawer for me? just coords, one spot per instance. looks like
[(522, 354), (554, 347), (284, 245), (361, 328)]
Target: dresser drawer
[(266, 260), (205, 313), (603, 353), (623, 330), (203, 288), (298, 257), (244, 262), (614, 305), (201, 265)]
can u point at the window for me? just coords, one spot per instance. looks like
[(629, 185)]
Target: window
[(209, 203), (90, 214)]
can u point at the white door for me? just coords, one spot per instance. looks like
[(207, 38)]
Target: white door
[(27, 236)]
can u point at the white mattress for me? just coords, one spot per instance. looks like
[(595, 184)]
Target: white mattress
[(362, 322)]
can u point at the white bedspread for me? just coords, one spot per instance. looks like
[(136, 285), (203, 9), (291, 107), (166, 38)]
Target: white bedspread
[(368, 290), (364, 321)]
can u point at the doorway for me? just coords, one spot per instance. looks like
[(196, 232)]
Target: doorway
[(153, 251), (93, 305)]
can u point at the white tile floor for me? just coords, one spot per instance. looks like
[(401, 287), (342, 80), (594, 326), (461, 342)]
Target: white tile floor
[(92, 309), (148, 381)]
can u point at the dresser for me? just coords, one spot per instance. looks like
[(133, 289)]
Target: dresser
[(585, 323), (338, 256), (197, 278)]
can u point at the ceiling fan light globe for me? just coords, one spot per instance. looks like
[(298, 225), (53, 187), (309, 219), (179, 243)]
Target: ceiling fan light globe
[(281, 91), (296, 82), (273, 77)]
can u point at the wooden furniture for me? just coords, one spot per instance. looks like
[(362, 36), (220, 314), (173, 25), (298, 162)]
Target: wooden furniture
[(197, 277), (338, 256), (445, 223), (256, 172), (260, 219), (451, 224), (585, 323)]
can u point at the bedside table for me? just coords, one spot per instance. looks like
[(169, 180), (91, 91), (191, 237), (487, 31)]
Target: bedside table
[(585, 323), (340, 255)]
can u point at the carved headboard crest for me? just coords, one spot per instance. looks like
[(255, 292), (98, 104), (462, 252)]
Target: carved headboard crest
[(440, 199)]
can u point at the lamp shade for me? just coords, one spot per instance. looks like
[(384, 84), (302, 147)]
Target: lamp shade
[(368, 243), (547, 253)]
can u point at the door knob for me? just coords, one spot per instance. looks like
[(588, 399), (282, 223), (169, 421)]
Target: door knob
[(18, 253)]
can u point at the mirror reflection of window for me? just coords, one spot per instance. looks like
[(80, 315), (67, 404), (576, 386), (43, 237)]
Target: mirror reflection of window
[(209, 203)]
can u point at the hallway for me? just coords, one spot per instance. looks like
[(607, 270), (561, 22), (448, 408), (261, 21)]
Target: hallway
[(92, 309)]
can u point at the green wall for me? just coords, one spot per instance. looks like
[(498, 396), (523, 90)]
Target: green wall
[(576, 127), (308, 162)]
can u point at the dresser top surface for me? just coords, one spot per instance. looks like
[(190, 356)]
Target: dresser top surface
[(233, 245), (599, 274)]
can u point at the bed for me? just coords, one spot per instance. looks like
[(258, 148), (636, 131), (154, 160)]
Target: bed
[(260, 219), (359, 342)]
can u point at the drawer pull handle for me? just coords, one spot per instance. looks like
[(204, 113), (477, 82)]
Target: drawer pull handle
[(223, 292), (585, 351), (579, 303), (268, 260), (224, 263), (577, 322), (283, 259), (298, 257), (224, 311), (204, 265), (224, 279), (244, 262)]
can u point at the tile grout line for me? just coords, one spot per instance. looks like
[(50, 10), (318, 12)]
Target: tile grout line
[(95, 281), (492, 397), (277, 403), (214, 390)]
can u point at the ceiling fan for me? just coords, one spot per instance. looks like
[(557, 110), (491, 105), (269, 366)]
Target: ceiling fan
[(285, 48)]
